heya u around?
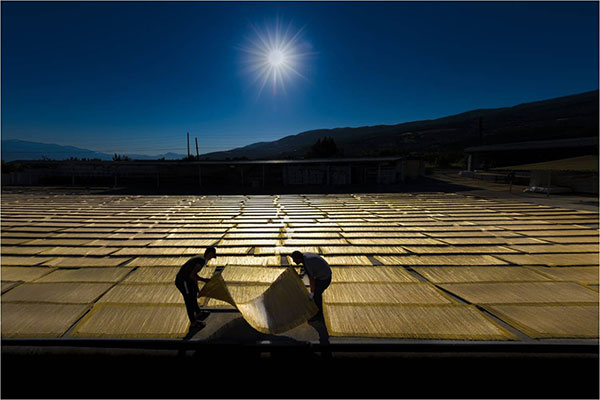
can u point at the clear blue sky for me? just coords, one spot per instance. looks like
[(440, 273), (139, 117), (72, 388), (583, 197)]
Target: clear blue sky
[(135, 77)]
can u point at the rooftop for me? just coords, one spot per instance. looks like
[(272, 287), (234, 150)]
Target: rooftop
[(537, 145), (406, 267), (225, 162), (578, 164)]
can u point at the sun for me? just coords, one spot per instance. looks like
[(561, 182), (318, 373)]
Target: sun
[(276, 58), (275, 55)]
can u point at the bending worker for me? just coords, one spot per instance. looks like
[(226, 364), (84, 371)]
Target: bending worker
[(187, 282), (319, 275)]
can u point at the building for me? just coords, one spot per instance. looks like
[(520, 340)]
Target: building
[(507, 154), (207, 175)]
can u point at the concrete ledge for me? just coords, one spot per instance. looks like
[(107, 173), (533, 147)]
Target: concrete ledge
[(574, 348)]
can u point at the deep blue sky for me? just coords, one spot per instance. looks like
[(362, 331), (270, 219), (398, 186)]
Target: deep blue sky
[(135, 77)]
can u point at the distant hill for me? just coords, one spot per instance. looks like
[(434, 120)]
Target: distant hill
[(559, 118), (13, 150)]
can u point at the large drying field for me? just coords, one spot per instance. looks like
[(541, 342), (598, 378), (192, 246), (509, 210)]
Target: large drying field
[(405, 266)]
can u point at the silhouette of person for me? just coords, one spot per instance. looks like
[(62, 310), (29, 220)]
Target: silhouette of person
[(511, 178), (187, 282), (319, 275)]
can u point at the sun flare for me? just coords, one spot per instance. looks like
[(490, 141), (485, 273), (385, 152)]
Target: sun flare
[(275, 55)]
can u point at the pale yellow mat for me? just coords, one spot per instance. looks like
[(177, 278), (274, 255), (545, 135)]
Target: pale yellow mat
[(372, 274), (102, 274), (284, 305), (247, 274), (412, 322), (440, 260), (157, 261), (588, 275), (73, 293), (221, 261), (134, 321), (384, 293), (79, 251), (523, 292), (185, 242), (152, 275), (26, 274), (551, 321), (21, 250), (39, 320), (558, 248), (143, 293), (345, 250), (283, 250), (459, 249), (7, 285), (466, 274), (583, 259), (23, 261), (81, 262), (571, 239)]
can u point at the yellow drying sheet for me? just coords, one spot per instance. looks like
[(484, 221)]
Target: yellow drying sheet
[(26, 274), (551, 321), (284, 305)]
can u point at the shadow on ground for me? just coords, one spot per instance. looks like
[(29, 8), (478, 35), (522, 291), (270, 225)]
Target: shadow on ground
[(239, 331)]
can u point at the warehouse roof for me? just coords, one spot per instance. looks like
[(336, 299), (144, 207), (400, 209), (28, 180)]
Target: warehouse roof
[(537, 145), (220, 162), (576, 164)]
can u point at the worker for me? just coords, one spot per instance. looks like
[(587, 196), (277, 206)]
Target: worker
[(187, 282), (319, 275), (511, 178)]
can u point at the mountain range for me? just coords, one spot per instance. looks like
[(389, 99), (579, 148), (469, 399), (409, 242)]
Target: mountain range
[(559, 118), (15, 149)]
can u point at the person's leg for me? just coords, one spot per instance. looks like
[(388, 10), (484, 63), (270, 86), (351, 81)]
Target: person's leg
[(200, 315), (320, 286), (318, 298), (190, 303)]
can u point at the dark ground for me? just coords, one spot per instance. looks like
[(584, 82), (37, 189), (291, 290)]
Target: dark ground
[(240, 372)]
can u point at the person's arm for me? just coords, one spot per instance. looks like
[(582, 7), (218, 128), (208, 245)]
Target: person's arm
[(312, 284), (194, 275), (196, 279)]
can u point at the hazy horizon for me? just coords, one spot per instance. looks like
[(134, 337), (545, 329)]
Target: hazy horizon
[(135, 77)]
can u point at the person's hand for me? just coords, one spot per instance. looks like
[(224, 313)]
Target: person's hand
[(311, 295)]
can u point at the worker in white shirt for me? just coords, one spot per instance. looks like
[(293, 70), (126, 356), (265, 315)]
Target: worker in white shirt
[(319, 275)]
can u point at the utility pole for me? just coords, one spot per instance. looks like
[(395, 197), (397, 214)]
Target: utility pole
[(197, 155), (188, 144)]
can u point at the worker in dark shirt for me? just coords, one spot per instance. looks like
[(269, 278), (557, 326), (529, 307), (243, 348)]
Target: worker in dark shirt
[(187, 282), (319, 275)]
